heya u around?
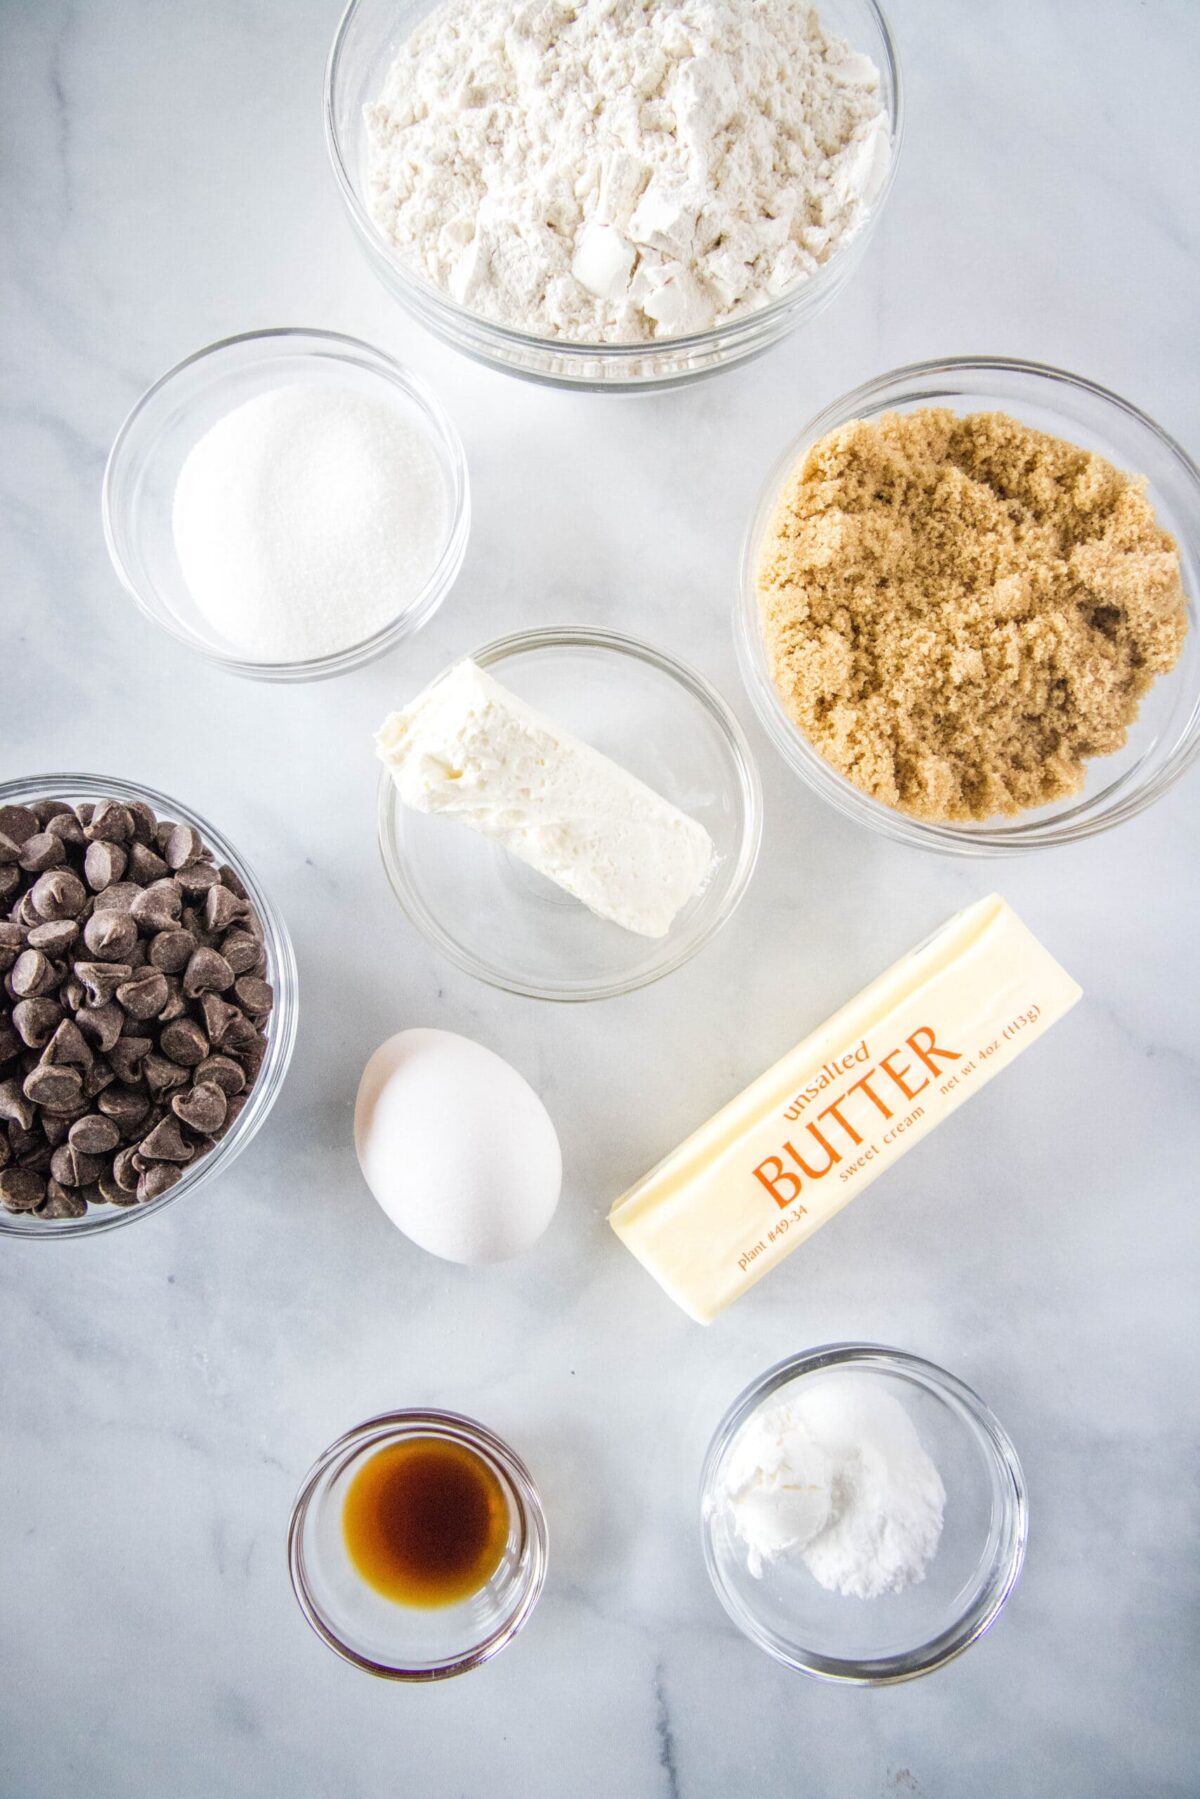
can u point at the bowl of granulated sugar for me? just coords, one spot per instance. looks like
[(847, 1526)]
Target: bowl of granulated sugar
[(287, 503)]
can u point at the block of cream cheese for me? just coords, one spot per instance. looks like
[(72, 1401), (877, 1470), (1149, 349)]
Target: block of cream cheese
[(468, 748), (779, 1160)]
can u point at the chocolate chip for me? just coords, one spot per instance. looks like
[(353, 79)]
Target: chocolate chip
[(14, 1106), (161, 1075), (55, 937), (144, 821), (158, 1180), (182, 846), (19, 823), (207, 972), (101, 979), (61, 1202), (21, 1189), (54, 1089), (223, 1072), (144, 865), (144, 995), (222, 908), (176, 1005), (243, 953), (183, 1041), (254, 994), (103, 864), (124, 1173), (100, 1075), (118, 898), (65, 826), (157, 907), (197, 878), (101, 1025), (36, 1020), (94, 1135), (171, 951), (111, 822), (166, 1142), (73, 1167), (202, 1108), (217, 1014), (108, 1190), (110, 936), (127, 1056), (34, 1154), (32, 973), (126, 1105), (58, 894), (239, 1035), (41, 851), (67, 1046)]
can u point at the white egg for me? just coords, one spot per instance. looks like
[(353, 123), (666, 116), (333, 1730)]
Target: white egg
[(456, 1146)]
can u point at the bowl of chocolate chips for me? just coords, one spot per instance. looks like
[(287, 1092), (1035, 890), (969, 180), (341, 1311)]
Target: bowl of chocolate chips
[(147, 1007)]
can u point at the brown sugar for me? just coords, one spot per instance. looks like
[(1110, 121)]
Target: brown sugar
[(958, 612)]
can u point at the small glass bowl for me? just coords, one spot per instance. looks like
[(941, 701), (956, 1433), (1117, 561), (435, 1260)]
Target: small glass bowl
[(401, 1642), (281, 1025), (875, 1642), (367, 40), (1165, 739), (154, 442), (492, 914)]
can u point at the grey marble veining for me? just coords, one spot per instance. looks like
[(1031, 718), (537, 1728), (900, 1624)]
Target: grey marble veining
[(163, 1389)]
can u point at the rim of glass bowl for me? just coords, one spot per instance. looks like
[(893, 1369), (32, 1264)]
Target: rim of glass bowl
[(454, 1427), (1008, 1487), (749, 783), (281, 1036), (333, 346), (523, 353), (933, 382)]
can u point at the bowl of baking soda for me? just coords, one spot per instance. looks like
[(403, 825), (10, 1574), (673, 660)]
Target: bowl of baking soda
[(289, 504), (863, 1514)]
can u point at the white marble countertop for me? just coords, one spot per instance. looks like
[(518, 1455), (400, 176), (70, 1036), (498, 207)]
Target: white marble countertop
[(163, 1389)]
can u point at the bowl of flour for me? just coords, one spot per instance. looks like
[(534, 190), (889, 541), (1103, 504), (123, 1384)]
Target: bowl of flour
[(288, 504), (620, 194), (863, 1514)]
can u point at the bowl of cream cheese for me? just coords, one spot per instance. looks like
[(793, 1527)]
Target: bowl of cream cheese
[(863, 1514), (567, 813)]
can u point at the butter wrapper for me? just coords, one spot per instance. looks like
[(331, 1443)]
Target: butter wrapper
[(778, 1161)]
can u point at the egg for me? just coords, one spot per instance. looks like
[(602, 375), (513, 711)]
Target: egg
[(456, 1146)]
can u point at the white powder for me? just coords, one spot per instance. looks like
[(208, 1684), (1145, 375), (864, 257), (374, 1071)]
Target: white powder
[(621, 170), (306, 519), (837, 1474)]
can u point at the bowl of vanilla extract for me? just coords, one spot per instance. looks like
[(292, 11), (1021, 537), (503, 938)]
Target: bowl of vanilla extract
[(418, 1545)]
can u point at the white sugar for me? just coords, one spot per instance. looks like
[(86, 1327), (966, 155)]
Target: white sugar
[(306, 519)]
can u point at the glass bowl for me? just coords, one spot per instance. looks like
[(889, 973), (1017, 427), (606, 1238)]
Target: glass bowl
[(874, 1642), (281, 1025), (170, 418), (371, 32), (403, 1642), (1165, 739), (507, 925)]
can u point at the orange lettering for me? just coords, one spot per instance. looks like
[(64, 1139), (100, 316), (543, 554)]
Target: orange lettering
[(773, 1182), (831, 1111), (898, 1074), (814, 1174), (930, 1049)]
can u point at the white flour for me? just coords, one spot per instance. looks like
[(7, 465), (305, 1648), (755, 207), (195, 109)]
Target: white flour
[(837, 1474), (306, 519), (621, 170)]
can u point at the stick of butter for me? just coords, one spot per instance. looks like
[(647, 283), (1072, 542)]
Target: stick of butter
[(779, 1160)]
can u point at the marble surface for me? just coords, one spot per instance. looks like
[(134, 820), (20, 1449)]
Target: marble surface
[(164, 1388)]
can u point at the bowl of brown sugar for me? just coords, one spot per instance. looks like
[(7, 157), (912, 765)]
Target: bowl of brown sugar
[(967, 608)]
